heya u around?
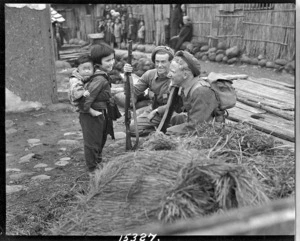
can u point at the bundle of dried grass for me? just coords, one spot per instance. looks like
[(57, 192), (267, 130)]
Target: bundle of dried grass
[(124, 194), (159, 141), (232, 138), (272, 163), (276, 172), (205, 189)]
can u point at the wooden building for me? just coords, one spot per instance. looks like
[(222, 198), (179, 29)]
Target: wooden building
[(29, 53), (81, 19), (267, 29)]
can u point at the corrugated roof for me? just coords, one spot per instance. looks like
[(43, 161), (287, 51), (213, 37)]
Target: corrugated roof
[(55, 16), (31, 6)]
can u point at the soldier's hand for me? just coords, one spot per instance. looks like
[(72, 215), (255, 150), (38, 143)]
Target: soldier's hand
[(151, 94), (152, 114), (127, 68)]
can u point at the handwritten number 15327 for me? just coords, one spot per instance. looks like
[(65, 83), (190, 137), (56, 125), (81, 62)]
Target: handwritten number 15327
[(136, 237)]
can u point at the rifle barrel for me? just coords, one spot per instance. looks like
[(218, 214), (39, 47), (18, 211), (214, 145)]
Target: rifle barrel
[(127, 100)]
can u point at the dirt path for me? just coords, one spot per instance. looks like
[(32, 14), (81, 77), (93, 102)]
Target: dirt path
[(38, 201)]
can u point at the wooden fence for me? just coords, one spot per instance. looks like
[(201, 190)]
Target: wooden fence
[(270, 31), (154, 16)]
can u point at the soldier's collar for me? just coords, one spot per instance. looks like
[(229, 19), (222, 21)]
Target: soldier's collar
[(156, 76), (187, 86)]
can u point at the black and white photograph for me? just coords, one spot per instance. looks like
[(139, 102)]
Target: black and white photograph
[(145, 121)]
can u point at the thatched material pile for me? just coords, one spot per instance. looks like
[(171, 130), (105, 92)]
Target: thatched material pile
[(224, 167), (130, 191), (230, 139), (272, 163), (205, 189), (125, 193)]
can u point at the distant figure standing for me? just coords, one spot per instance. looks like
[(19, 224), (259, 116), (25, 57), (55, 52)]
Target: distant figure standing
[(176, 20), (186, 34), (107, 17), (183, 9), (117, 32), (106, 11), (124, 29), (109, 38), (141, 32), (167, 31), (119, 8), (58, 36), (123, 9), (101, 27), (131, 27)]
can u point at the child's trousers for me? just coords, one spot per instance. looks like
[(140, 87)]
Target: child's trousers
[(94, 137)]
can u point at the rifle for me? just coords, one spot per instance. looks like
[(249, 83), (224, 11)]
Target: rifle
[(128, 93), (172, 101)]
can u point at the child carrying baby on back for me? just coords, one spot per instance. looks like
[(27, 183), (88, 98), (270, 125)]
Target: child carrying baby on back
[(79, 78)]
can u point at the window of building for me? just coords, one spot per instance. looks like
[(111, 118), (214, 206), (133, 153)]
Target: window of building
[(259, 6)]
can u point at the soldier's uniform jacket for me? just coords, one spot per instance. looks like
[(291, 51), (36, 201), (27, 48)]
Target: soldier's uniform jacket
[(158, 85), (199, 101)]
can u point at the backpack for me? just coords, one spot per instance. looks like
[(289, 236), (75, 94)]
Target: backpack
[(224, 92), (223, 89)]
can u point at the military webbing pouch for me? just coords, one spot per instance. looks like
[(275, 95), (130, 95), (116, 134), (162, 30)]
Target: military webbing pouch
[(224, 91)]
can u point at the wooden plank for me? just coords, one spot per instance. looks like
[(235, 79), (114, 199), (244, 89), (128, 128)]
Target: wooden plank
[(264, 11), (283, 114), (266, 41), (264, 91), (65, 52), (263, 100), (230, 36), (249, 108), (273, 84), (271, 25), (232, 16), (247, 112), (269, 124)]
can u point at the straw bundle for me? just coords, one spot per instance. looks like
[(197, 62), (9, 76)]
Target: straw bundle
[(159, 141), (124, 194), (236, 166), (276, 172), (229, 139), (272, 163), (205, 189)]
